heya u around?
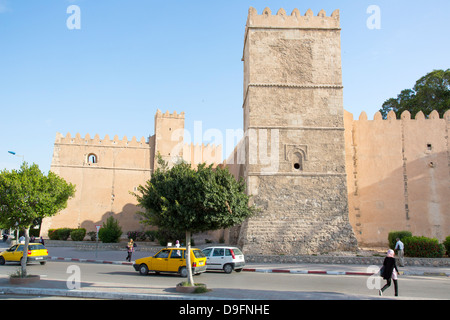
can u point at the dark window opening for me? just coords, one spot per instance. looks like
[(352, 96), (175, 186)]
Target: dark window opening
[(297, 161), (92, 158)]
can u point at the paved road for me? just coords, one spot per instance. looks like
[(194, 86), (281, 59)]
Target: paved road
[(245, 285), (119, 257), (116, 281)]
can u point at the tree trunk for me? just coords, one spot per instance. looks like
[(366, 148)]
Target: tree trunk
[(190, 278), (23, 262)]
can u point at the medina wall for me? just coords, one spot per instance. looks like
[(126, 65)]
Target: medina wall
[(107, 171), (104, 172), (398, 175), (322, 179)]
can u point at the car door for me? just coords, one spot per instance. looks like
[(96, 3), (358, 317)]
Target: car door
[(207, 252), (160, 260), (176, 260), (9, 253), (216, 260), (17, 254)]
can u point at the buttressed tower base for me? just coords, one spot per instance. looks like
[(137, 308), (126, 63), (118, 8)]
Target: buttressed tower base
[(293, 119)]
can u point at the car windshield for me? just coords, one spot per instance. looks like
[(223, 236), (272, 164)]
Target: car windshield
[(237, 252), (207, 251), (163, 254), (198, 254), (36, 247)]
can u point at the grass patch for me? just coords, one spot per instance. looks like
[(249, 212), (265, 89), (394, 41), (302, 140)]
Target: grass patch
[(199, 287)]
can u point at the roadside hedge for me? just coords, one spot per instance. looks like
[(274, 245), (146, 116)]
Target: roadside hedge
[(137, 235), (59, 234), (65, 233), (447, 245), (423, 247), (78, 234), (52, 235)]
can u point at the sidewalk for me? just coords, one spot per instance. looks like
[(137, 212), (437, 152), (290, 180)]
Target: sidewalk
[(110, 291), (98, 290)]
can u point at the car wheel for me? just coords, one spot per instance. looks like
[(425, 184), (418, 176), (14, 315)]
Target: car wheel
[(143, 269), (183, 272), (43, 263), (228, 268), (2, 261)]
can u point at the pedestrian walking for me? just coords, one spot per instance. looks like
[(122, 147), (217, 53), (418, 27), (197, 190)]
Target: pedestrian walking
[(130, 250), (400, 247), (390, 272)]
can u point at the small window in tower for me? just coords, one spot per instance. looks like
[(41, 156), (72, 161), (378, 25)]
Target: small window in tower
[(429, 147), (297, 161), (92, 158)]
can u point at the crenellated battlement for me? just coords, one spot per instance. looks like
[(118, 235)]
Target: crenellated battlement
[(294, 20), (406, 115), (201, 153), (167, 114), (96, 141)]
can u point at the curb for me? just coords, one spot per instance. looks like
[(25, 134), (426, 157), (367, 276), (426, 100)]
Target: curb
[(342, 273), (86, 294), (90, 261), (345, 273)]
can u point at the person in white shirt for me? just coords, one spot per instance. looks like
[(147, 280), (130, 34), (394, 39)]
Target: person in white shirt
[(400, 247)]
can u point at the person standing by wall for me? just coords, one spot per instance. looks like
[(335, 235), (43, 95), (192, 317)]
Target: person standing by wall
[(399, 246)]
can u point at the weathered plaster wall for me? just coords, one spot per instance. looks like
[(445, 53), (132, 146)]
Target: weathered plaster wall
[(398, 176), (294, 143)]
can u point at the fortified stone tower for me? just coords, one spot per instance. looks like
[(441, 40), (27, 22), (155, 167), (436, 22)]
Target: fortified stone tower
[(293, 119), (169, 133)]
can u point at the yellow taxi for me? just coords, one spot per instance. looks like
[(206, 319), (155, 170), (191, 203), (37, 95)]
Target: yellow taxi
[(36, 252), (172, 260)]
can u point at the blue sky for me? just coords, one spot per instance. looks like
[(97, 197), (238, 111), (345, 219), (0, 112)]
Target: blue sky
[(130, 58)]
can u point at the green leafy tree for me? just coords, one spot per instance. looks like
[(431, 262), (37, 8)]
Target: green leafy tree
[(27, 195), (186, 200), (431, 92)]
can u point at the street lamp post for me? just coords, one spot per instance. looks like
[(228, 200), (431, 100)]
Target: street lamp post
[(23, 160)]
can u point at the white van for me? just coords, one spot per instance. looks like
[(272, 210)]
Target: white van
[(224, 258)]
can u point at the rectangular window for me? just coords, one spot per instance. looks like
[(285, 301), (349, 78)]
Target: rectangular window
[(218, 252)]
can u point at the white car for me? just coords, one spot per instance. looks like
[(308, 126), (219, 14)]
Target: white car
[(224, 258)]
